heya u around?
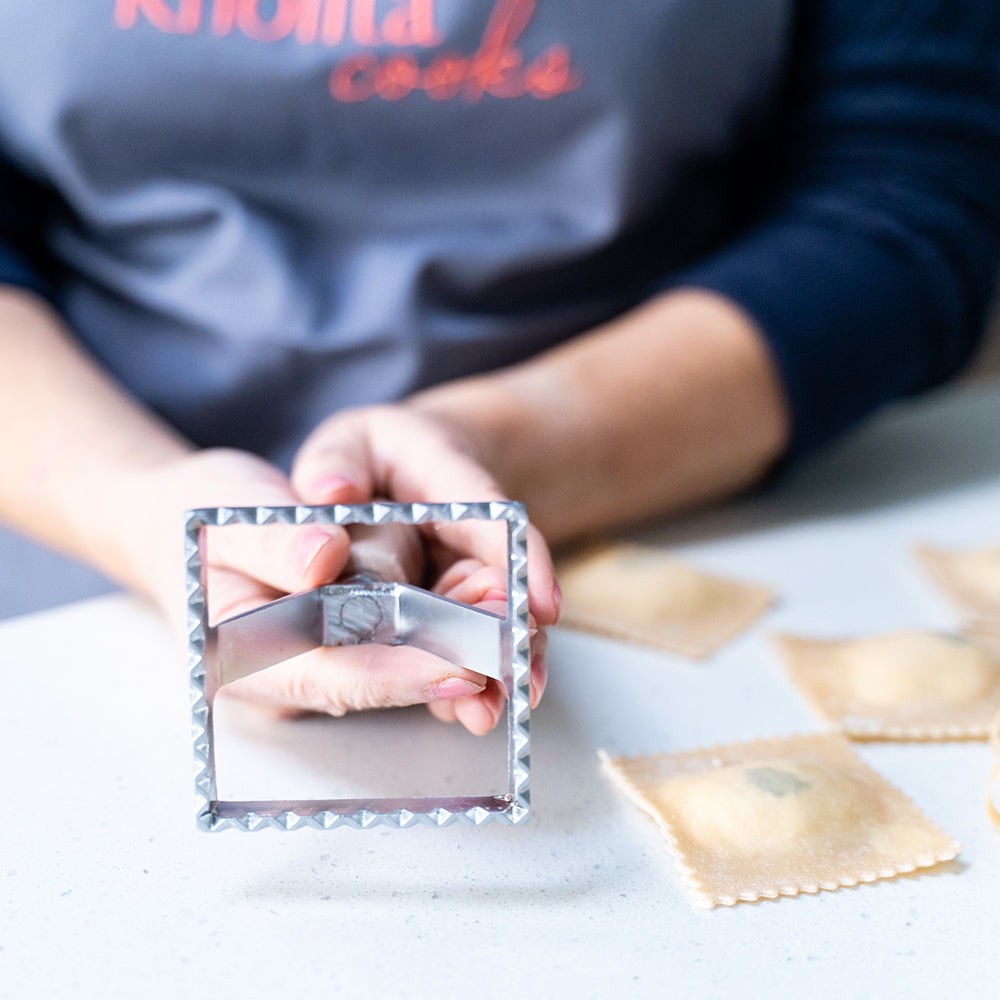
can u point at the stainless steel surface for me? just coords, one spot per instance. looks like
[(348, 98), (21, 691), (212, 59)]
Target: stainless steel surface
[(366, 611), (260, 638), (362, 611), (457, 632)]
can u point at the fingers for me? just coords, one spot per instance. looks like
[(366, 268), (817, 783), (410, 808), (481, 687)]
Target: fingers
[(405, 456), (539, 665), (387, 552), (250, 565), (354, 678), (387, 451), (470, 582), (468, 539), (286, 558), (357, 678), (485, 587), (393, 452), (334, 464), (479, 713), (230, 593)]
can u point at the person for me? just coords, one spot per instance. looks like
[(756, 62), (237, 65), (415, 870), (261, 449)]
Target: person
[(611, 260)]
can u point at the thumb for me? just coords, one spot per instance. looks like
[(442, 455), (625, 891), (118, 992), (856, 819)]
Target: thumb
[(335, 463)]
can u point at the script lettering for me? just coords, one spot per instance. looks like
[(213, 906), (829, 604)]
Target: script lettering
[(497, 68)]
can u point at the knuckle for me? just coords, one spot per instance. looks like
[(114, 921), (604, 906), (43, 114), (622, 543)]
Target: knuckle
[(374, 686), (309, 688)]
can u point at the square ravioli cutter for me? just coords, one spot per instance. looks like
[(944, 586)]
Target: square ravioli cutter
[(360, 610)]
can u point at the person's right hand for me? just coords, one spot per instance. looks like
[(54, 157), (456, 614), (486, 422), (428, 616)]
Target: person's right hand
[(248, 566), (402, 454)]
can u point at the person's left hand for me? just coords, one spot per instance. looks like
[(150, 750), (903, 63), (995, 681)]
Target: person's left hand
[(396, 453)]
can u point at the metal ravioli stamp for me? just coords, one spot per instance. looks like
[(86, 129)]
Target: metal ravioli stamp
[(359, 610)]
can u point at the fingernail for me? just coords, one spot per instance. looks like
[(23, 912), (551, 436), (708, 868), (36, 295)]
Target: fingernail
[(557, 597), (331, 486), (454, 687), (308, 548), (495, 594)]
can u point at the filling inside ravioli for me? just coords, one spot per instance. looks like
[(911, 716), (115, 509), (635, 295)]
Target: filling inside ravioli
[(912, 667), (762, 806)]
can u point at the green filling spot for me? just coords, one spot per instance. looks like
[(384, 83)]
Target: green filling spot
[(775, 782)]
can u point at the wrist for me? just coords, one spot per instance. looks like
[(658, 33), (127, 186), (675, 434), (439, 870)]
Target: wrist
[(675, 403), (135, 530), (490, 419)]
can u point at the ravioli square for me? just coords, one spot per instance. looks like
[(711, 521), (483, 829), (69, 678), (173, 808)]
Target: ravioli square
[(649, 596), (779, 817), (905, 685), (969, 578)]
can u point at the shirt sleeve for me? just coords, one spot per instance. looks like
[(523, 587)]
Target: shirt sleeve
[(872, 267)]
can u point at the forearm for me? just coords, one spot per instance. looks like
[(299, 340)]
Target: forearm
[(673, 404), (71, 443)]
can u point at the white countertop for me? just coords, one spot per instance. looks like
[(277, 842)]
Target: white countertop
[(107, 889)]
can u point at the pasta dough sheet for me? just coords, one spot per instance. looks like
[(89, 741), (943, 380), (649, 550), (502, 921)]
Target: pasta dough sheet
[(779, 817), (969, 578), (908, 685), (649, 596)]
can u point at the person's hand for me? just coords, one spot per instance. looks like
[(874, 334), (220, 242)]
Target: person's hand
[(400, 454), (248, 566)]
